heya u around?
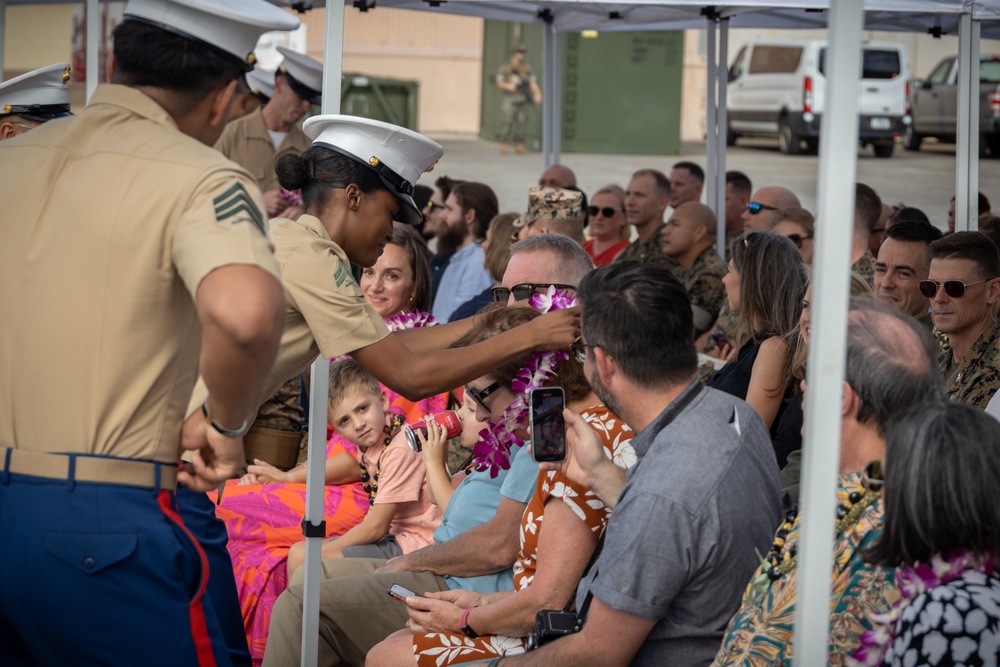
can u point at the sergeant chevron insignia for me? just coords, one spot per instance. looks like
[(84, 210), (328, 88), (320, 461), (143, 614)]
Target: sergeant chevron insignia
[(236, 205)]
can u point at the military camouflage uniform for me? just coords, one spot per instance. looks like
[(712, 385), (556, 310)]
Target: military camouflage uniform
[(975, 378), (703, 282), (551, 204), (649, 252), (729, 244), (514, 112), (725, 329), (865, 267)]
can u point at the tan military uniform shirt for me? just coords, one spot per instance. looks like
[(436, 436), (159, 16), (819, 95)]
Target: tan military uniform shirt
[(326, 310), (247, 142), (111, 221)]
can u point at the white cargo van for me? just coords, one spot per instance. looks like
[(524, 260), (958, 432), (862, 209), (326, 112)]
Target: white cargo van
[(778, 88)]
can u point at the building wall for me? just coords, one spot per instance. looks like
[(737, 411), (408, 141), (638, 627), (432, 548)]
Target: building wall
[(36, 36), (441, 51)]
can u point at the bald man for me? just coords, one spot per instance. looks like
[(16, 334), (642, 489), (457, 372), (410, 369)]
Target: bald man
[(762, 209), (689, 239), (557, 176)]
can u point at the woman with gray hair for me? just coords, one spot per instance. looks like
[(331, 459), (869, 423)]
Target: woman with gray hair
[(765, 287), (942, 532)]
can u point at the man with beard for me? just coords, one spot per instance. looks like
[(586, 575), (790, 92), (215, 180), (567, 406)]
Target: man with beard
[(679, 546)]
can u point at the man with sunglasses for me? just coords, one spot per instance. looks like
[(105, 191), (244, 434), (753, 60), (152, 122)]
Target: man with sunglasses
[(904, 260), (255, 141), (689, 238), (760, 213), (963, 286)]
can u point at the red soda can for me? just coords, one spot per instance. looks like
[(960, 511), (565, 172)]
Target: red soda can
[(447, 419)]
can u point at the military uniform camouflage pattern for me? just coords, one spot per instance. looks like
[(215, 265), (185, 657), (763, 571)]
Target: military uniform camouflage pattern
[(974, 379), (283, 411), (703, 282), (729, 244), (551, 204), (514, 111), (865, 267), (725, 329), (649, 252)]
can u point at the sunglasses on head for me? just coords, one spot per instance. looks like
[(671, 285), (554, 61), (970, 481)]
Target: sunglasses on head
[(798, 239), (756, 207), (480, 396), (606, 211), (523, 291), (953, 288)]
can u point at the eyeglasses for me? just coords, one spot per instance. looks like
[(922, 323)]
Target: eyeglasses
[(579, 349), (431, 206), (606, 211), (953, 288), (756, 207), (523, 291), (481, 396), (798, 239)]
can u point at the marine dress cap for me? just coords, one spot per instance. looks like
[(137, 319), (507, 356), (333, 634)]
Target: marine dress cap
[(551, 204), (396, 154), (305, 74), (40, 95), (261, 84), (231, 26)]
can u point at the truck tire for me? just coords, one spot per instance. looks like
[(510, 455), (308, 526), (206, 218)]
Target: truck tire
[(789, 142), (730, 135), (995, 146), (883, 150), (911, 140)]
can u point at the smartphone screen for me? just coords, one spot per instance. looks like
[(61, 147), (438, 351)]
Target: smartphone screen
[(399, 592), (548, 429)]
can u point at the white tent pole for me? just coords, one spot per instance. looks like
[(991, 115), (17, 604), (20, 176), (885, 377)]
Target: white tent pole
[(93, 46), (3, 34), (967, 145), (711, 125), (313, 522), (720, 146), (821, 451), (547, 76), (556, 103)]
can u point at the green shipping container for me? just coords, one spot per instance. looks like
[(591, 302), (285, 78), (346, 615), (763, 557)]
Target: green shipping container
[(621, 92), (390, 100)]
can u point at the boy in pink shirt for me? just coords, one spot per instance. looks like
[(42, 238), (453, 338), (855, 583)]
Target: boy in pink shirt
[(402, 518)]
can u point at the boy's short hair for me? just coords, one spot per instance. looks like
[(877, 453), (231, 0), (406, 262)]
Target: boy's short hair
[(347, 375)]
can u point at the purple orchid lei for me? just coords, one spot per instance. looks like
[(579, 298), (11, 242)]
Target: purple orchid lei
[(410, 320), (496, 441), (912, 581)]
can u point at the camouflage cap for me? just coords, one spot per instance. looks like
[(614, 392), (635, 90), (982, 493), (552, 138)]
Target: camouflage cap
[(551, 204)]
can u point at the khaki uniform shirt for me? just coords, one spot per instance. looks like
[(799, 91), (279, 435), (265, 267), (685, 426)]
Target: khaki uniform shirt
[(703, 282), (247, 142), (111, 220), (974, 379), (326, 310)]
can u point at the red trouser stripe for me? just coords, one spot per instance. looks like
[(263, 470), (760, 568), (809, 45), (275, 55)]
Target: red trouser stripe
[(199, 628)]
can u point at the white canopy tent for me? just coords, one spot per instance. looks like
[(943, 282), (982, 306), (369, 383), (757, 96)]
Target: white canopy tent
[(845, 20)]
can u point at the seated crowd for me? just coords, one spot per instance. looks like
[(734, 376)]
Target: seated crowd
[(663, 560)]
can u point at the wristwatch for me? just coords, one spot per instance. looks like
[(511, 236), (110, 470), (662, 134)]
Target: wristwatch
[(227, 432), (463, 625)]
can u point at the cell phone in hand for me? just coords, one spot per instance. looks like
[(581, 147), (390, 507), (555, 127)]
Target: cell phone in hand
[(399, 592), (548, 428)]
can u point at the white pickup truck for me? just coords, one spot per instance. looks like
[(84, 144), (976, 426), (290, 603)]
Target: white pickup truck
[(934, 106)]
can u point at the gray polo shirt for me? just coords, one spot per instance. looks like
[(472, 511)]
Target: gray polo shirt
[(680, 543)]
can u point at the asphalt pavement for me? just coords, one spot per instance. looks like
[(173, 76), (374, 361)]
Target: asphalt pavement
[(925, 179)]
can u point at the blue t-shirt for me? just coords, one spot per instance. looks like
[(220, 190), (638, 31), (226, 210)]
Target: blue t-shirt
[(475, 502), (464, 278)]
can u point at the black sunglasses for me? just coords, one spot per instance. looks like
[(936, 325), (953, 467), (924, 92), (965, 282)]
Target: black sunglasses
[(523, 291), (756, 207), (481, 396), (953, 288), (798, 239), (606, 211)]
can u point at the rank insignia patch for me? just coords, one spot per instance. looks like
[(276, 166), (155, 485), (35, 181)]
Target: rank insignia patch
[(236, 205)]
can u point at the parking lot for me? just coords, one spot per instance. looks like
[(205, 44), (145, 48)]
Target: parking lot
[(925, 179)]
